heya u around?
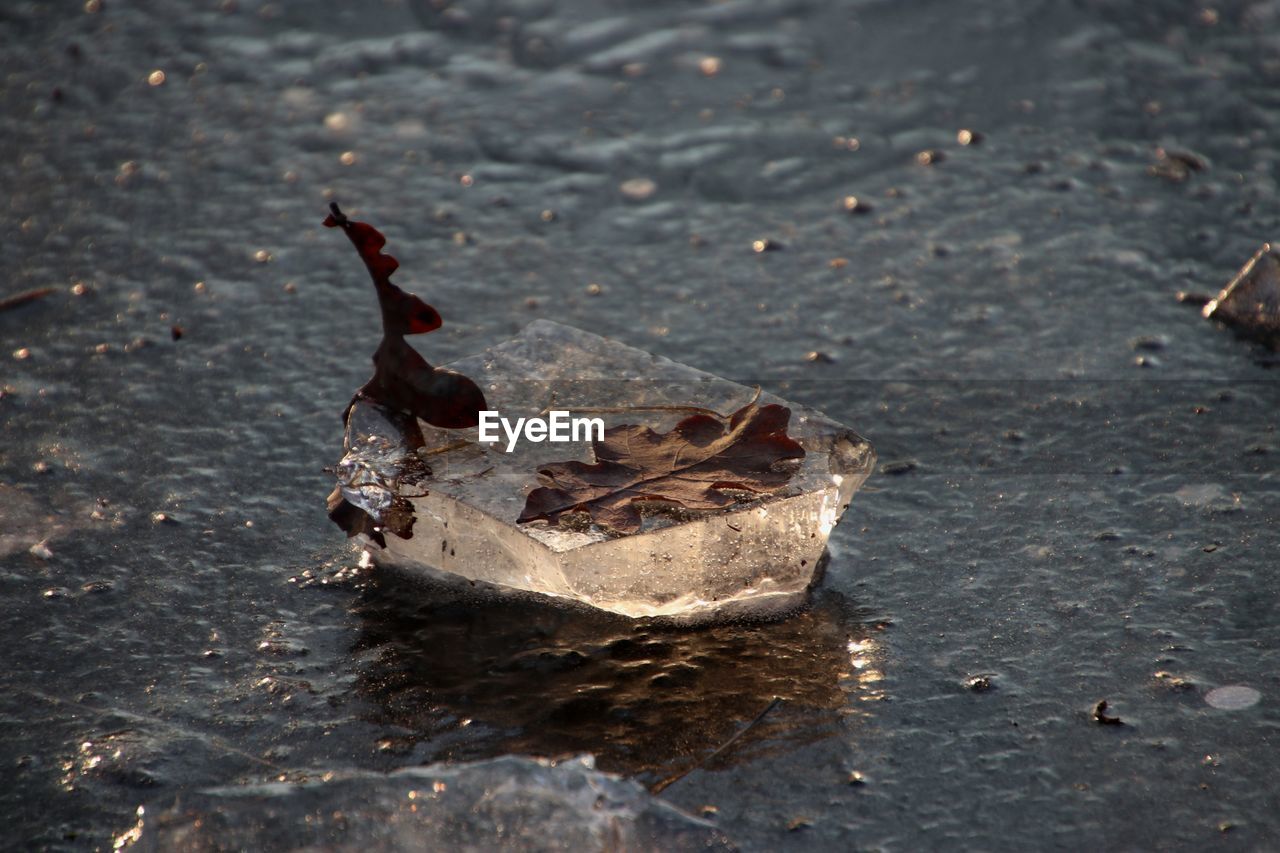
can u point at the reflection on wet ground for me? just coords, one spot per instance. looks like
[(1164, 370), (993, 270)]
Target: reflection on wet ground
[(528, 678)]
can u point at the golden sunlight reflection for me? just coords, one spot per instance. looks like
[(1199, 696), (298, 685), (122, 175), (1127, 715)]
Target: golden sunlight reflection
[(131, 835), (862, 657)]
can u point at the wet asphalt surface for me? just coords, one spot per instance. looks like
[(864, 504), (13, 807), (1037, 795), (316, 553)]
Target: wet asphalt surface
[(1078, 497)]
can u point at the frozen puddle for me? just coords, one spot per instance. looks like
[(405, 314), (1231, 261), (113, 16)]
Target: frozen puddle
[(444, 502)]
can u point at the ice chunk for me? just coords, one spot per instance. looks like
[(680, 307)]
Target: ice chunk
[(508, 803), (761, 551)]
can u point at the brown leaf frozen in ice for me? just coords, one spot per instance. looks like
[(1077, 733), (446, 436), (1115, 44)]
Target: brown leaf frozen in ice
[(353, 520), (691, 466)]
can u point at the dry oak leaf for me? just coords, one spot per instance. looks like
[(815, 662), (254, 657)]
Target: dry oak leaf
[(403, 380), (688, 466)]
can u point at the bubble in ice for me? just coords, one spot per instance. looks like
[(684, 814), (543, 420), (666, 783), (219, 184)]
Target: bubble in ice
[(1234, 697)]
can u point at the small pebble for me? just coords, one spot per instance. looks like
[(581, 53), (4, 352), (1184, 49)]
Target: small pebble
[(40, 550), (638, 189), (1174, 682), (854, 204)]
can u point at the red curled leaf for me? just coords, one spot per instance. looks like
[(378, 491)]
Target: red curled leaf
[(402, 379), (688, 466), (368, 242)]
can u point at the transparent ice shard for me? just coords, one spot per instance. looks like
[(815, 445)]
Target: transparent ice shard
[(503, 803), (760, 552)]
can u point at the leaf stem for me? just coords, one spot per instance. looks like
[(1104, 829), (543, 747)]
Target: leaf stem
[(443, 448), (661, 786)]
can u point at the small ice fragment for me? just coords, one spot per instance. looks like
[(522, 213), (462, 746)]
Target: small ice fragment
[(504, 803), (1235, 697), (459, 518), (1210, 496)]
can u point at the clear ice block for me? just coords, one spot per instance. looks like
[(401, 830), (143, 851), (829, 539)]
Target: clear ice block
[(458, 499)]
